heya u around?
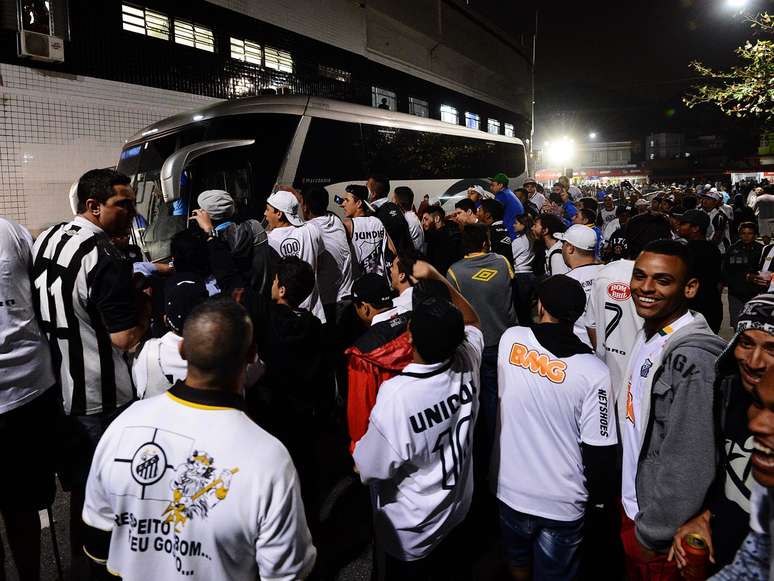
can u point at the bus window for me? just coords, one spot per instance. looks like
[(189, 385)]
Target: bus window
[(333, 152)]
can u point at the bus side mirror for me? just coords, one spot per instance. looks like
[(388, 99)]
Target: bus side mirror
[(176, 163)]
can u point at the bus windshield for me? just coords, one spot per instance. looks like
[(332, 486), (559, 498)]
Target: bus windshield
[(247, 173)]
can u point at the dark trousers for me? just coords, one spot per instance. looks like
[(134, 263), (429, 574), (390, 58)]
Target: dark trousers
[(523, 291)]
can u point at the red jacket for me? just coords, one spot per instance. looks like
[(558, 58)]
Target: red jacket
[(379, 354)]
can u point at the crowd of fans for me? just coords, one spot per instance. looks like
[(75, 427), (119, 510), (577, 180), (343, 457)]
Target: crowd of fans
[(525, 383)]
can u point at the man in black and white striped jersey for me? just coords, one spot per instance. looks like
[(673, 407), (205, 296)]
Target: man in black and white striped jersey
[(92, 315)]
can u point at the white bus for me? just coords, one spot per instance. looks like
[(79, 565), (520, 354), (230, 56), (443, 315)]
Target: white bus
[(247, 146)]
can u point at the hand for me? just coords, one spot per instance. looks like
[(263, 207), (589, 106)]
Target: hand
[(423, 270), (202, 219), (699, 525), (761, 280)]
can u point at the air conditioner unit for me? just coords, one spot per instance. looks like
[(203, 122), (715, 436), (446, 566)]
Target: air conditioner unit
[(41, 47)]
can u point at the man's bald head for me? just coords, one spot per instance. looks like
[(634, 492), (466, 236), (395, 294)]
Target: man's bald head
[(216, 339)]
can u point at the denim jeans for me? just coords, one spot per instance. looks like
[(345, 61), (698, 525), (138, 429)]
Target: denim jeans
[(550, 546)]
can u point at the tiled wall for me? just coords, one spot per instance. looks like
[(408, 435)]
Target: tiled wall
[(54, 127)]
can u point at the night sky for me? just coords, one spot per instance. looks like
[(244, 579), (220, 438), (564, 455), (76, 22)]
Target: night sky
[(620, 67)]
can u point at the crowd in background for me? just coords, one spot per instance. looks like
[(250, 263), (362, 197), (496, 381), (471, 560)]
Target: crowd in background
[(523, 383)]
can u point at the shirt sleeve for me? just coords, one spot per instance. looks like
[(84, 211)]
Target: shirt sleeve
[(473, 346), (284, 549), (97, 510), (597, 421), (140, 370), (375, 456), (112, 292)]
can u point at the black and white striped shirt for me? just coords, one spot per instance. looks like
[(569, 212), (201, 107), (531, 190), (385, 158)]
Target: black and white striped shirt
[(83, 292)]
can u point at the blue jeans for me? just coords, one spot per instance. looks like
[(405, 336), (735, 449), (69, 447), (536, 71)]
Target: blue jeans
[(552, 547)]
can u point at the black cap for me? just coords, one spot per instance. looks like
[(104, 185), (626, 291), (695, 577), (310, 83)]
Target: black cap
[(360, 192), (182, 292), (695, 217), (623, 210), (371, 288), (437, 329), (563, 297)]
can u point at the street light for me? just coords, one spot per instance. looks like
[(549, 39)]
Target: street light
[(593, 135), (561, 151), (736, 4)]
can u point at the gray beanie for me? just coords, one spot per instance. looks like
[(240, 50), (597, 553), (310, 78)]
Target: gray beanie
[(217, 203)]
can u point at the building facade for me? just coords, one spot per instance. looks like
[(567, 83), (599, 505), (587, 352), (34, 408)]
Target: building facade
[(111, 68)]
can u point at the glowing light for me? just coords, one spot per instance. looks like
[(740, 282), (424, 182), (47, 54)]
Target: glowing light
[(560, 152), (736, 4), (593, 135), (198, 117)]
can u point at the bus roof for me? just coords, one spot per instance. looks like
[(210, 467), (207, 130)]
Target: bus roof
[(313, 107)]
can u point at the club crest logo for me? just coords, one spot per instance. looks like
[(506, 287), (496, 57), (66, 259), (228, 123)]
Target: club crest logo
[(645, 369), (197, 488), (619, 291), (148, 464)]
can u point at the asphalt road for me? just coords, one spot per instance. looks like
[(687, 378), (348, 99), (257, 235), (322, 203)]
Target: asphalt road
[(356, 565)]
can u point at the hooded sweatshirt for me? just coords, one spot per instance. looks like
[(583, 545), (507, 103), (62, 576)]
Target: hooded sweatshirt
[(677, 460), (379, 354)]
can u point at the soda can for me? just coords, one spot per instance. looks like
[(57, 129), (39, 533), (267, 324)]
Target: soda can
[(696, 557)]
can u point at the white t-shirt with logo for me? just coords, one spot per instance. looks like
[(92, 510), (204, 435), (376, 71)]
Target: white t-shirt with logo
[(334, 267), (645, 360), (369, 241), (585, 275), (25, 357), (190, 490), (607, 216), (611, 312), (415, 229), (306, 243), (554, 262), (416, 454), (548, 407)]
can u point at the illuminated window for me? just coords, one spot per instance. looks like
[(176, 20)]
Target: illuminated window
[(494, 126), (472, 120), (334, 73), (509, 130), (246, 51), (277, 59), (144, 21), (419, 107), (384, 99), (194, 35), (449, 114)]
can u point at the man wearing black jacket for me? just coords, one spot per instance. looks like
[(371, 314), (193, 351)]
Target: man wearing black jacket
[(740, 268), (491, 213)]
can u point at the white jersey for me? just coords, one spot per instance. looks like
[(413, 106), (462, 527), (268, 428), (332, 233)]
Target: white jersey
[(523, 254), (554, 262), (159, 365), (334, 268), (585, 275), (369, 242), (607, 216), (610, 311), (610, 228), (416, 454), (415, 229), (189, 486), (25, 358), (306, 243), (548, 407)]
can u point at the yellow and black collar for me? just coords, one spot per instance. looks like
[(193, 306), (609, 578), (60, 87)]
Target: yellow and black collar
[(206, 399)]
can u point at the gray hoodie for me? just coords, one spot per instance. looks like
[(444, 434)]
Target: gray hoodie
[(677, 458)]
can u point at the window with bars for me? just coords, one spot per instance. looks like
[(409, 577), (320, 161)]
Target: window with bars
[(419, 107), (279, 60), (449, 114), (509, 132), (384, 99), (472, 120), (246, 51), (494, 126), (144, 21), (334, 73), (194, 35)]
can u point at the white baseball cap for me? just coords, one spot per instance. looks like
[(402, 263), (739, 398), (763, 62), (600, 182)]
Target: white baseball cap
[(580, 236), (286, 203), (713, 193)]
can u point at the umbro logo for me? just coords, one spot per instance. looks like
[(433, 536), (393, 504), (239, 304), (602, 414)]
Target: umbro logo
[(485, 275)]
